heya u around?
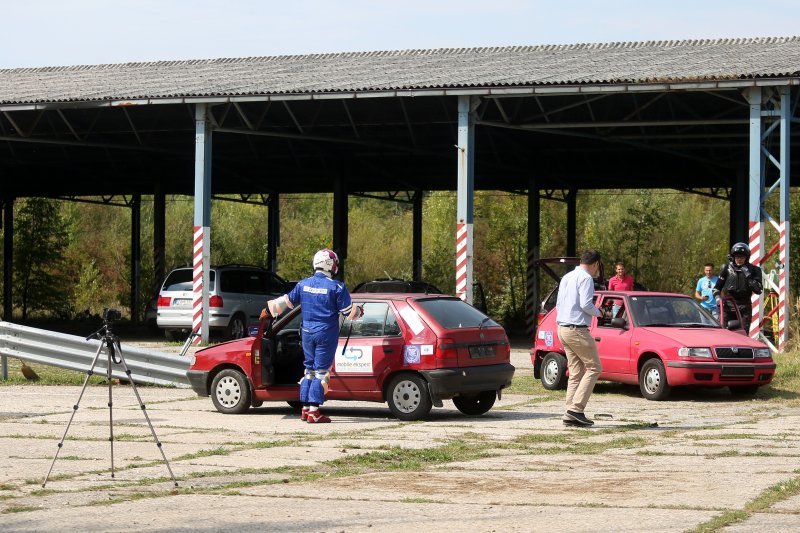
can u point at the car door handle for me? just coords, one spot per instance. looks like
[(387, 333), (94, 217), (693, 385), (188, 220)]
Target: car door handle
[(597, 339), (387, 349)]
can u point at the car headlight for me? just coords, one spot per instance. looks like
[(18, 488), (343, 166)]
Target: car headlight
[(762, 352), (694, 352)]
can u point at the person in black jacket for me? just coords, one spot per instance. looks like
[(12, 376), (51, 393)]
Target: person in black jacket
[(740, 279)]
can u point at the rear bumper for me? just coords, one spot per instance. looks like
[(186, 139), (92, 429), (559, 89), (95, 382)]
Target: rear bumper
[(447, 382), (717, 373), (184, 321), (198, 379)]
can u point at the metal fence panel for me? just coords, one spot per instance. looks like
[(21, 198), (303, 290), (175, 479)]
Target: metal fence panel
[(76, 353)]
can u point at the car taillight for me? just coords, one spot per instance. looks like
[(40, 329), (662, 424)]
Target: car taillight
[(446, 349), (540, 317), (164, 301), (215, 301)]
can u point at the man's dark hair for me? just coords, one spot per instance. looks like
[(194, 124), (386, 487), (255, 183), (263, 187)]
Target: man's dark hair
[(709, 265), (589, 257), (619, 263)]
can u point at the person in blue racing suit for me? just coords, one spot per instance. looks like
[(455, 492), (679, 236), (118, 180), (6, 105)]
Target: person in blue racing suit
[(322, 299)]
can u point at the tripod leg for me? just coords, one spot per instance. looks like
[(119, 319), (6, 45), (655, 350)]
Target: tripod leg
[(144, 412), (110, 346), (74, 410)]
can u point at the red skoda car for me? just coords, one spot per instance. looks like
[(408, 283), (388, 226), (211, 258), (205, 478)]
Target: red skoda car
[(660, 341), (409, 350)]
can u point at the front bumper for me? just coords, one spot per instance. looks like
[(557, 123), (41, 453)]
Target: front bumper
[(198, 379), (718, 373), (445, 383)]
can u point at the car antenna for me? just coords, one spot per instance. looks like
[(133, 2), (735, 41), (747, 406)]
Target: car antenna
[(388, 276)]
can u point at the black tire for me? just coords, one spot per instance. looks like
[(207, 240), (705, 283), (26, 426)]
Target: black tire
[(230, 392), (475, 404), (408, 397), (744, 390), (236, 327), (295, 404), (553, 372), (653, 381)]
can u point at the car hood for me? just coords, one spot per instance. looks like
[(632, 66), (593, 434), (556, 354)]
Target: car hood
[(702, 337), (243, 344)]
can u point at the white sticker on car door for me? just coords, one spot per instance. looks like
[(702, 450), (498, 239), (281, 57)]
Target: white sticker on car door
[(356, 359)]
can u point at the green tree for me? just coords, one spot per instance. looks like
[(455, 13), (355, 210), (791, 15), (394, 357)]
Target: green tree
[(40, 279)]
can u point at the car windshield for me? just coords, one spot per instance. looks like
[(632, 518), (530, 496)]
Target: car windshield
[(670, 311), (452, 313)]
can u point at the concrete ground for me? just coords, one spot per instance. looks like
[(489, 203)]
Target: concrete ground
[(657, 466)]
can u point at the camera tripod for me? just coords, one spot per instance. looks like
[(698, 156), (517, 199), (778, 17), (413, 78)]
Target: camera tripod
[(110, 342)]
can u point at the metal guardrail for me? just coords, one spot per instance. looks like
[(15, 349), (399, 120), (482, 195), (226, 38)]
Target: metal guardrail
[(76, 353)]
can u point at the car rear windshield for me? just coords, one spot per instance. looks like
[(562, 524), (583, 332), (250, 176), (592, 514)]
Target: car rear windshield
[(181, 280), (452, 313)]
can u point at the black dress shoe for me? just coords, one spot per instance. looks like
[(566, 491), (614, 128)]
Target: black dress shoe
[(576, 418)]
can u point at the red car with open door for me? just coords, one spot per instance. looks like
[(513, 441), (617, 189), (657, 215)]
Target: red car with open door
[(409, 350)]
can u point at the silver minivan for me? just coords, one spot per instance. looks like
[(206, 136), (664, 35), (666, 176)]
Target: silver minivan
[(237, 294)]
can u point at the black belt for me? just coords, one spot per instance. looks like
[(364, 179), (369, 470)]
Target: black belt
[(571, 326)]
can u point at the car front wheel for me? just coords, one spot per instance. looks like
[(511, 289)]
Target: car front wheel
[(408, 397), (653, 380), (230, 392), (476, 404), (554, 371)]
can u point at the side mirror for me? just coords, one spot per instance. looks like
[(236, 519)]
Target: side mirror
[(734, 324), (619, 323)]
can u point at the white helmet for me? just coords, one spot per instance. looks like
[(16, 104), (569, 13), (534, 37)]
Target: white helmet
[(327, 261)]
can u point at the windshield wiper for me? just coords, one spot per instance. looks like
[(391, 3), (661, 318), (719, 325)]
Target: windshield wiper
[(696, 325), (661, 325), (484, 321)]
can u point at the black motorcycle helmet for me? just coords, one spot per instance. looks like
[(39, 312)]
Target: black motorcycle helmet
[(740, 248)]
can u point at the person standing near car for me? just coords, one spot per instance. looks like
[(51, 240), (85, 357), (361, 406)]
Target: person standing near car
[(322, 299), (621, 281), (574, 311), (740, 279), (704, 291)]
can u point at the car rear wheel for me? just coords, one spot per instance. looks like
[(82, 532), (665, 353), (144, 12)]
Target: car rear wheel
[(744, 390), (554, 371), (408, 397), (237, 327), (653, 380), (475, 404), (230, 392)]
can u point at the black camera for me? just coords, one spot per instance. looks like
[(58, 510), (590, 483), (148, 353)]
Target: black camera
[(109, 314)]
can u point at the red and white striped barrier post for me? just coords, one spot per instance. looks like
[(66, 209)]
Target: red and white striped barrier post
[(197, 282), (463, 259), (756, 300), (782, 334)]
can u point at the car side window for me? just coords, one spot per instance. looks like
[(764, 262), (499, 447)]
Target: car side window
[(613, 308), (231, 281), (378, 321), (255, 283), (275, 285)]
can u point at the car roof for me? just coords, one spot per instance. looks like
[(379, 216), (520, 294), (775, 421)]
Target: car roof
[(396, 295), (642, 293)]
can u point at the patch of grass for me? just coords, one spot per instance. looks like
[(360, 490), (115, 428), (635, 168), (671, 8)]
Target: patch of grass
[(48, 375), (7, 486), (417, 500), (724, 436), (768, 497), (221, 450), (19, 509)]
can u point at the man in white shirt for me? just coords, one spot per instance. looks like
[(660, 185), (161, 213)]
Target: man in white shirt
[(574, 311)]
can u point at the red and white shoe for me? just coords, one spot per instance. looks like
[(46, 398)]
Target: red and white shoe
[(304, 414), (316, 417)]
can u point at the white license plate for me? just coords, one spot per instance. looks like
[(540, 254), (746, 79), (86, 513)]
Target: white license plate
[(181, 302)]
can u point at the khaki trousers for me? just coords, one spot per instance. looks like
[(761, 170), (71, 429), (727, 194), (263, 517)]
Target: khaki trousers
[(584, 365)]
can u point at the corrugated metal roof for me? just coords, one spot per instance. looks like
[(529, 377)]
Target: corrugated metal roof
[(513, 66)]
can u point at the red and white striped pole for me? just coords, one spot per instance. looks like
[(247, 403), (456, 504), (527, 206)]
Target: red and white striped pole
[(756, 300), (197, 283), (463, 259)]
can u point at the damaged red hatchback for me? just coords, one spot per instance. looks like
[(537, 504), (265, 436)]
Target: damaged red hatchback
[(409, 350)]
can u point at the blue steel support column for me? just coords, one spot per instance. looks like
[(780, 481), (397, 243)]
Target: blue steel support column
[(416, 232), (340, 213), (572, 212), (8, 269), (273, 231), (136, 256), (756, 189), (532, 274), (464, 202), (201, 250)]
